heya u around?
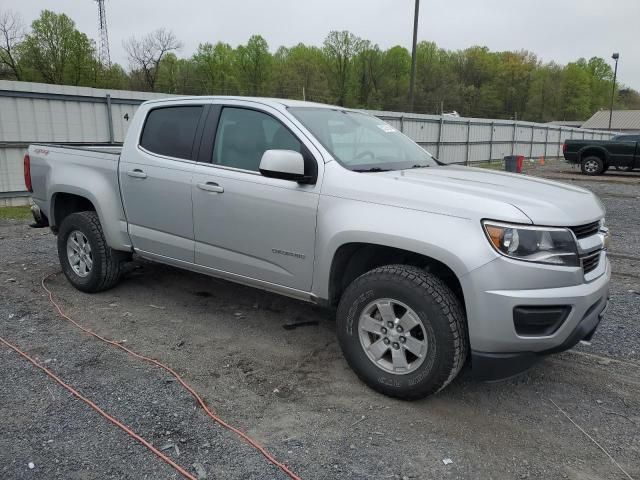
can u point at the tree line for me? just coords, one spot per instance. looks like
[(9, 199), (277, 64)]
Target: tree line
[(345, 70)]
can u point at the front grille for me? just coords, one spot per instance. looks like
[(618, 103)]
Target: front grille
[(584, 231), (590, 261)]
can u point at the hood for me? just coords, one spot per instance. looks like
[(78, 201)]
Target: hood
[(482, 193)]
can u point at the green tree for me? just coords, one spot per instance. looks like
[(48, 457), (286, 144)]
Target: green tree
[(306, 65), (12, 33), (576, 93), (254, 66), (177, 76), (544, 96), (438, 86), (396, 66), (629, 98), (340, 49), (600, 83), (215, 68), (346, 70), (57, 52)]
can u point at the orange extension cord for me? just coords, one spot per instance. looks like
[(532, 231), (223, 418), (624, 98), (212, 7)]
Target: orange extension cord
[(113, 420), (270, 458)]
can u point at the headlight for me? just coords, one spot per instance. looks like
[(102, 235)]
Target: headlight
[(555, 246)]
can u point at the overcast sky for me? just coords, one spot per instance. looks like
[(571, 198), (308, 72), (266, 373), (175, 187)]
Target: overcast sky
[(558, 30)]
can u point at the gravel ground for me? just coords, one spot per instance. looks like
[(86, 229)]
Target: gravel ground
[(291, 389)]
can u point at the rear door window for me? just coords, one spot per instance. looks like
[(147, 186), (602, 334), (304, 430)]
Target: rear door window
[(171, 131)]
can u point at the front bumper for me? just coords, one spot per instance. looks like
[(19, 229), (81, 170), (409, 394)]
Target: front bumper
[(497, 350), (497, 366)]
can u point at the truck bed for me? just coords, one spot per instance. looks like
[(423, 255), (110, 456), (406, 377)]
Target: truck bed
[(86, 171)]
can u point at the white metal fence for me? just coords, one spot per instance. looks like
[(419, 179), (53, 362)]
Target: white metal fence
[(42, 113), (471, 140)]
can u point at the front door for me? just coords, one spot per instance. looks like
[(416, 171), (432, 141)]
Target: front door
[(247, 224), (155, 180)]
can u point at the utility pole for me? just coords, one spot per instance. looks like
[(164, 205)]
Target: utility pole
[(615, 56), (412, 81)]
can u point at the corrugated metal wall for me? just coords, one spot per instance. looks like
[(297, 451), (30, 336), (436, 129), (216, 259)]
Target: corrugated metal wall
[(42, 113), (469, 140)]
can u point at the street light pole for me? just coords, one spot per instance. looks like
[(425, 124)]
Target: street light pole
[(615, 56), (412, 80)]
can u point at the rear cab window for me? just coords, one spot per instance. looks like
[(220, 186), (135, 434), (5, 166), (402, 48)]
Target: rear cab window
[(171, 131)]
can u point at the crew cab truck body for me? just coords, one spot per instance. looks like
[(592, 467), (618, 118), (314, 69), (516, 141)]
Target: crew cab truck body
[(596, 156), (428, 265)]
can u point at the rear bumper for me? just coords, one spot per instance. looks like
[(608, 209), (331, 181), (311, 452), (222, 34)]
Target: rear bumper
[(40, 218), (498, 366)]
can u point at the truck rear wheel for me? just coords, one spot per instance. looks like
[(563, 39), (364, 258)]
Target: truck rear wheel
[(86, 259), (402, 330), (592, 165)]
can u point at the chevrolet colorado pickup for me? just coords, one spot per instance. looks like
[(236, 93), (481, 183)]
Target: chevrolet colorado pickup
[(596, 156), (429, 267)]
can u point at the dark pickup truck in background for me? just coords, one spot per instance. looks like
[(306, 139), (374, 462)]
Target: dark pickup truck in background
[(596, 156)]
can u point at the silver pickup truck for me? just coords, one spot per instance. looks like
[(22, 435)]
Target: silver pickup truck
[(428, 266)]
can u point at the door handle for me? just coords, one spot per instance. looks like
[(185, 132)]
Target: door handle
[(137, 173), (210, 187)]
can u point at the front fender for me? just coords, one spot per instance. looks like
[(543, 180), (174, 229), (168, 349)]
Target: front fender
[(457, 242)]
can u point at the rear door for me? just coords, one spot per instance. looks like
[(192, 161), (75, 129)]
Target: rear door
[(155, 180), (245, 224)]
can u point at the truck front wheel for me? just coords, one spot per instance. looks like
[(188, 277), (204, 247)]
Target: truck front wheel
[(86, 259), (592, 165), (402, 331)]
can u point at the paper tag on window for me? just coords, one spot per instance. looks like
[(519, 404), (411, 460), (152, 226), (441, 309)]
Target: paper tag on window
[(385, 127)]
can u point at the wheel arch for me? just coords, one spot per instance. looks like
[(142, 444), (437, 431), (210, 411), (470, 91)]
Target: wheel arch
[(64, 204), (353, 259), (68, 199), (592, 151)]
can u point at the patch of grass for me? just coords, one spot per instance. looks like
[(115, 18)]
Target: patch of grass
[(494, 165), (15, 213)]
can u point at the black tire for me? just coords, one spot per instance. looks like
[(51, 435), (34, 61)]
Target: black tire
[(106, 268), (439, 311), (592, 165)]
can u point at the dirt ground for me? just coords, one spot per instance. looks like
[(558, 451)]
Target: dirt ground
[(290, 388)]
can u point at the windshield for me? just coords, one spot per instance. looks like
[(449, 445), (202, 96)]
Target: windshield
[(361, 142)]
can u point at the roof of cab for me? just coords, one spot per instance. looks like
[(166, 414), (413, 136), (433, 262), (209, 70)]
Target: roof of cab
[(273, 102)]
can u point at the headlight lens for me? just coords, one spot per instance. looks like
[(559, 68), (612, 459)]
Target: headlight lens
[(554, 246)]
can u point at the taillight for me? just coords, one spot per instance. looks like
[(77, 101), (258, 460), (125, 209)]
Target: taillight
[(564, 148), (27, 173)]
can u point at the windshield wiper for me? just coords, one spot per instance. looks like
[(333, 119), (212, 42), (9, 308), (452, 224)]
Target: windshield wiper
[(419, 166), (372, 169)]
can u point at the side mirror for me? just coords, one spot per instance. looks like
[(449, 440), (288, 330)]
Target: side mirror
[(284, 164)]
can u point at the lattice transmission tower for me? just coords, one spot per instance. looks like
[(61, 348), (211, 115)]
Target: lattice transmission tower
[(103, 49)]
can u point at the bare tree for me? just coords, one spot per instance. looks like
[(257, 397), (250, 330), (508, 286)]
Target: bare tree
[(145, 54), (12, 33)]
